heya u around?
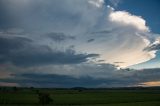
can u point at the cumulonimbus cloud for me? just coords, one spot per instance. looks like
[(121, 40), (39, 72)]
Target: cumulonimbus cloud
[(123, 38), (112, 37)]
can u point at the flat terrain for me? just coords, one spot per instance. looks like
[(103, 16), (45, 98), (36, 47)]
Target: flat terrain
[(85, 97)]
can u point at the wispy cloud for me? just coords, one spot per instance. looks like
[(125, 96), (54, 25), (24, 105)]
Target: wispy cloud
[(115, 3)]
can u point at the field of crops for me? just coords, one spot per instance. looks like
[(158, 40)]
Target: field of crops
[(29, 97)]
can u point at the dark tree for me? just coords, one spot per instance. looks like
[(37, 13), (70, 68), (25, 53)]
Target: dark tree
[(15, 89), (32, 88), (44, 98)]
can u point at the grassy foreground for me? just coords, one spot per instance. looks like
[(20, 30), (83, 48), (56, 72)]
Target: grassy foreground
[(90, 97)]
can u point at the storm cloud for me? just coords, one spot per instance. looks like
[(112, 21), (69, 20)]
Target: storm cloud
[(73, 42), (81, 19)]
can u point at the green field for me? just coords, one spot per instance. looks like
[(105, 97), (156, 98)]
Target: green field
[(28, 97)]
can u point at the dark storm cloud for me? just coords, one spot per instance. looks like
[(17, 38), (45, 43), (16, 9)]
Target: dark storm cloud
[(22, 51), (58, 37), (51, 57), (90, 40), (149, 74), (6, 19), (153, 47), (10, 45)]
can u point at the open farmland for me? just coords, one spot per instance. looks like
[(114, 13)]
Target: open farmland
[(85, 97)]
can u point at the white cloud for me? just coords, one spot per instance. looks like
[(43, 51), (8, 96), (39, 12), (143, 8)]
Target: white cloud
[(157, 41), (120, 39), (126, 18)]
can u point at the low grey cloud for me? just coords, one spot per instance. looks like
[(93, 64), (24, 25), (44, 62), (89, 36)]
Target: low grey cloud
[(54, 80), (58, 37)]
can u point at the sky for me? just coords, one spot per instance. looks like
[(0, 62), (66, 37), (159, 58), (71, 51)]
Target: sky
[(84, 43)]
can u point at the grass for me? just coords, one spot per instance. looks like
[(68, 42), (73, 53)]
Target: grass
[(29, 97)]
